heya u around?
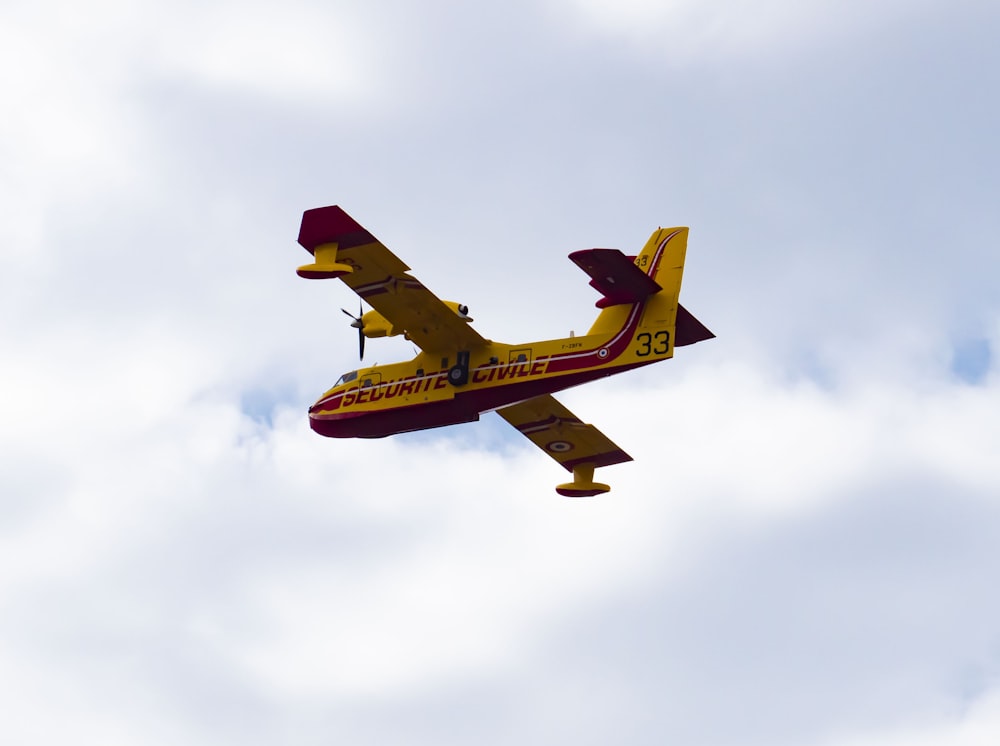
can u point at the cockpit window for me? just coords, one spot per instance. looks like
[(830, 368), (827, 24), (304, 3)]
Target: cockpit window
[(346, 378)]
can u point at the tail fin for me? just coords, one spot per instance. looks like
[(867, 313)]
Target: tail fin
[(662, 258), (660, 265)]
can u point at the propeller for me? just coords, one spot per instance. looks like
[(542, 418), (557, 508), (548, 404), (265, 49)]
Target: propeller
[(359, 324)]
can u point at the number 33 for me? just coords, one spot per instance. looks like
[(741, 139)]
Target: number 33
[(646, 346)]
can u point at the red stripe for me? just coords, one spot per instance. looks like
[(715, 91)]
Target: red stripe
[(619, 343), (608, 458), (548, 422), (386, 285)]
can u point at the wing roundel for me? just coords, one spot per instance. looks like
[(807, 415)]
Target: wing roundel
[(578, 447)]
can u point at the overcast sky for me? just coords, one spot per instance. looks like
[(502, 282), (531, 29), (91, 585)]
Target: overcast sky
[(806, 550)]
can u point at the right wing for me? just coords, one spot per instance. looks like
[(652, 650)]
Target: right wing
[(377, 275), (578, 447)]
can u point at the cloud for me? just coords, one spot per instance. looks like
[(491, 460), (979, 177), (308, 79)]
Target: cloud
[(302, 53), (978, 725), (804, 540), (709, 33), (345, 577)]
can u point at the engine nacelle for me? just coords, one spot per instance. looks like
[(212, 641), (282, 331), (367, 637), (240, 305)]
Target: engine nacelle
[(374, 324), (461, 310)]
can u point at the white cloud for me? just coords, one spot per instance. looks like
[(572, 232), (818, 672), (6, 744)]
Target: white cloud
[(168, 558), (355, 571), (687, 30), (77, 82), (67, 129), (977, 725), (299, 52)]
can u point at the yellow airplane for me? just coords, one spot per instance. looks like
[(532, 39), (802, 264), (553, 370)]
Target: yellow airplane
[(459, 375)]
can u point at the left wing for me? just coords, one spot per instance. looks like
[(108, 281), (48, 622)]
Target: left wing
[(579, 447), (346, 250)]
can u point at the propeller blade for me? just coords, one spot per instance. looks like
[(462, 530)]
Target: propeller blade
[(359, 324)]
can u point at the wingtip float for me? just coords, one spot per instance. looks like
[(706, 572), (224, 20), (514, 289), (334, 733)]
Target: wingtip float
[(459, 375)]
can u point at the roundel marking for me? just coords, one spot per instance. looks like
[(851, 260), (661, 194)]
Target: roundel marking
[(602, 353), (559, 446)]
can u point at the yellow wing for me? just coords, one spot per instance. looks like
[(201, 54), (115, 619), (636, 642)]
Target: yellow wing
[(342, 248), (579, 447)]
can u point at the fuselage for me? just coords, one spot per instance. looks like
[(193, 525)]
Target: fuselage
[(422, 393)]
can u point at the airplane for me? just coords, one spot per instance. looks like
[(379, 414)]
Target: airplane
[(459, 375)]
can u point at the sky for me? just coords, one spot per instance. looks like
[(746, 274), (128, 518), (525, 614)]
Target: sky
[(806, 548)]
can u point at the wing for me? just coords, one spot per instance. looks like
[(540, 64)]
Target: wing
[(579, 447), (382, 280)]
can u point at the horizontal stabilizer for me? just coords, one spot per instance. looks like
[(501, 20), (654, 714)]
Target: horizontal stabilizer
[(615, 276), (689, 330)]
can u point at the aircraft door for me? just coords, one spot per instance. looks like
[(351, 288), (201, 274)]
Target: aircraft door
[(458, 374), (370, 379), (368, 387), (520, 359), (520, 355)]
